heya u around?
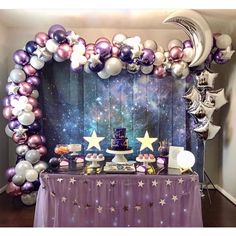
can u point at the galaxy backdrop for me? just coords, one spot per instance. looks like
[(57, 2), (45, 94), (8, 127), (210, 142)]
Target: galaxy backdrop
[(76, 104)]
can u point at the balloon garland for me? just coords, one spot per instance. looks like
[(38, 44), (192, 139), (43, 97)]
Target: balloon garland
[(106, 59)]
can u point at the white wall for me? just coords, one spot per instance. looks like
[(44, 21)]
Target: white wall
[(3, 77)]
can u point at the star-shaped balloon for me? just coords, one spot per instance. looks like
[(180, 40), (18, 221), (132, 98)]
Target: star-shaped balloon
[(136, 51), (227, 53), (13, 88), (206, 79), (193, 95), (146, 141), (94, 141), (72, 38), (94, 59), (202, 110), (20, 131), (215, 98), (43, 54)]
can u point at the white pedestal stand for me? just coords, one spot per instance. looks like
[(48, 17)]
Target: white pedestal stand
[(119, 155), (145, 162), (94, 162)]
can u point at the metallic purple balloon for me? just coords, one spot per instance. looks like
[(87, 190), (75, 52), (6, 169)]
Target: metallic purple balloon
[(187, 44), (36, 185), (34, 127), (35, 141), (54, 163), (13, 124), (209, 59), (176, 53), (54, 28), (21, 57), (6, 102), (7, 113), (218, 57), (10, 172), (147, 58), (64, 51), (27, 187), (35, 81), (60, 36), (96, 68), (25, 88), (104, 49), (41, 38), (29, 70), (20, 139)]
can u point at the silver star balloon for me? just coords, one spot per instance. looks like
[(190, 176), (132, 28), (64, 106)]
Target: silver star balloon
[(72, 38), (13, 89), (227, 53), (20, 131), (206, 79), (43, 54), (94, 59), (202, 110), (193, 95)]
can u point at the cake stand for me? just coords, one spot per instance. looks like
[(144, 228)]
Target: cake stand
[(145, 161), (119, 155), (94, 161)]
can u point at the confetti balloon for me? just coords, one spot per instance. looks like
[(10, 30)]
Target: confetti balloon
[(104, 49)]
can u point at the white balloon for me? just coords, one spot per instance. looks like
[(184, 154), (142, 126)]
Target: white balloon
[(160, 49), (22, 166), (223, 41), (40, 166), (35, 93), (118, 39), (22, 149), (18, 180), (47, 56), (113, 66), (26, 118), (8, 131), (159, 58), (57, 58), (82, 60), (147, 69), (16, 66), (175, 43), (32, 156), (103, 74), (188, 54), (52, 45), (79, 48), (17, 76), (31, 175), (28, 107), (29, 198), (151, 44), (36, 63)]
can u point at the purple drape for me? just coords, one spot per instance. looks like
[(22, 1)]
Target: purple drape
[(66, 200)]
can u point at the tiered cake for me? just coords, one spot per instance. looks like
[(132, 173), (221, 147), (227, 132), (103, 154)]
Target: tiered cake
[(119, 141)]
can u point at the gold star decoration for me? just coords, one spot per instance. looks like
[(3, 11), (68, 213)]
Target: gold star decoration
[(180, 181), (168, 182), (154, 183), (63, 199), (140, 184), (72, 180), (20, 131), (138, 207), (112, 209), (99, 208), (113, 182), (146, 141), (174, 198), (162, 202), (193, 179), (99, 183), (46, 176), (59, 180), (94, 141)]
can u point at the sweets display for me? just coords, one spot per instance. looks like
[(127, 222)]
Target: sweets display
[(119, 142), (94, 157), (145, 158)]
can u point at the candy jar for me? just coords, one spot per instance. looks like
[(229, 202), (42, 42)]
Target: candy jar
[(61, 149)]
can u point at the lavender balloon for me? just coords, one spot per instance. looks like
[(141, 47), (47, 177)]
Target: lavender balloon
[(218, 57), (13, 124), (147, 58), (104, 49), (27, 187), (54, 28), (35, 81), (10, 172), (21, 57), (6, 102), (187, 44)]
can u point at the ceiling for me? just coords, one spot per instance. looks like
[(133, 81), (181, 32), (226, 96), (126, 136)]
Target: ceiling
[(148, 19)]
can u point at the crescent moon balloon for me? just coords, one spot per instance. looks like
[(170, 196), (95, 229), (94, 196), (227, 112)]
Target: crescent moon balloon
[(198, 30)]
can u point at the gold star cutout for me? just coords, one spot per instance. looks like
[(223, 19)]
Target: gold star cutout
[(146, 141), (180, 181), (63, 199), (168, 182), (75, 203), (140, 184), (72, 180), (193, 179), (154, 183), (112, 209), (99, 183), (138, 207), (99, 208), (94, 59), (174, 198), (162, 202), (59, 180), (113, 182), (20, 131), (94, 141)]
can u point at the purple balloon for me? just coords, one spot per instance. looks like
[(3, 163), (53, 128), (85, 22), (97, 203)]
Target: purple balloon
[(6, 102), (218, 57), (54, 163), (13, 124), (31, 46), (10, 172), (36, 184), (54, 28), (27, 187), (21, 57), (104, 49), (147, 58), (34, 127), (35, 81), (96, 68), (60, 36), (126, 54), (187, 44)]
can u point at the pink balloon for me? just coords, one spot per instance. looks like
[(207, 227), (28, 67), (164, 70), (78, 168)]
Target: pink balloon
[(115, 51), (42, 151), (33, 101), (102, 39), (38, 113), (29, 70), (160, 72), (13, 189), (64, 51), (89, 50), (25, 88), (20, 139), (41, 38), (34, 141), (176, 53), (7, 113)]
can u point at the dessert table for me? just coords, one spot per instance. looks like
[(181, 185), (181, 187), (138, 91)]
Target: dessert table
[(69, 199)]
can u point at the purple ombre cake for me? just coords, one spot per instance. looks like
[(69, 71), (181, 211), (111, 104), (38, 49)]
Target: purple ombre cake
[(119, 142)]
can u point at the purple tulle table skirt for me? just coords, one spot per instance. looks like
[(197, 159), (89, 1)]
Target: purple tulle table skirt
[(67, 200)]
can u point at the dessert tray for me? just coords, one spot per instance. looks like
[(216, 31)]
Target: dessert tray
[(145, 158), (119, 167), (94, 158)]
